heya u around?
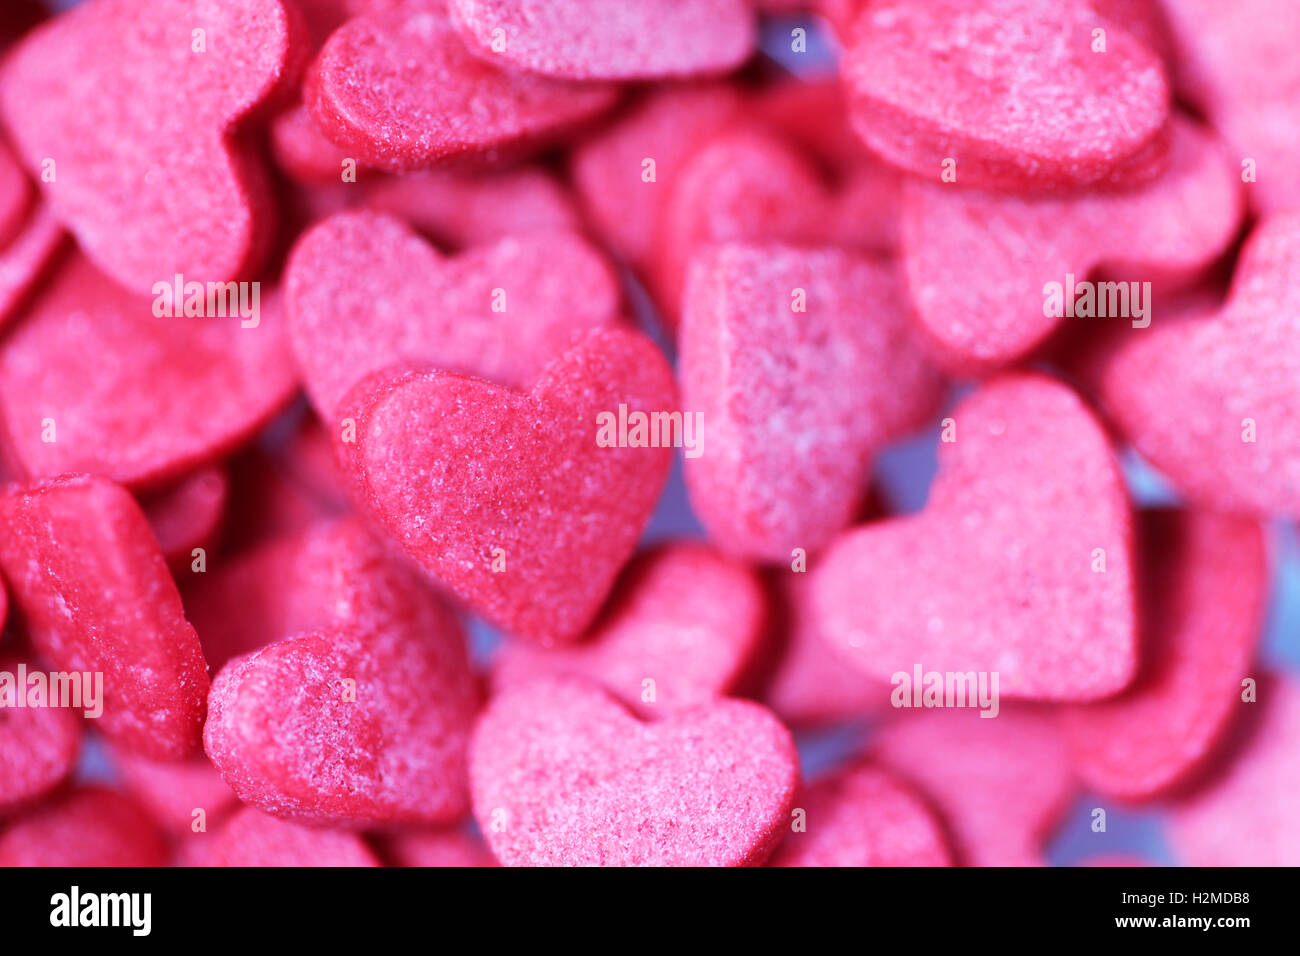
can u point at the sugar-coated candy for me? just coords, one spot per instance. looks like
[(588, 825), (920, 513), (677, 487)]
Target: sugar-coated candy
[(1020, 566), (97, 598), (508, 497), (562, 774)]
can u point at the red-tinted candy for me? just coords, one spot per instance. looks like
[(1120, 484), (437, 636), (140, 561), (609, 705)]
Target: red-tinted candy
[(25, 257), (562, 774), (526, 505), (1000, 784), (38, 744), (621, 195), (794, 354), (1248, 815), (398, 89), (609, 39), (251, 838), (95, 592), (88, 827), (1237, 62), (459, 210), (1210, 399), (128, 114), (436, 848), (334, 573), (188, 514), (682, 629), (361, 286), (1012, 90), (1204, 582), (862, 816), (978, 263), (1020, 565), (94, 380), (746, 184), (173, 791), (813, 682), (350, 725)]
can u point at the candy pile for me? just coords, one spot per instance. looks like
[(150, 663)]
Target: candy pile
[(335, 331)]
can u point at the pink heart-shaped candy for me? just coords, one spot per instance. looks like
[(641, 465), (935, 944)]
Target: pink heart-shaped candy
[(1204, 581), (794, 352), (128, 113), (609, 39), (81, 376), (863, 816), (366, 292), (978, 263), (398, 89), (1020, 565), (97, 598), (683, 628), (562, 774), (526, 505), (1013, 90), (1001, 785), (1210, 399)]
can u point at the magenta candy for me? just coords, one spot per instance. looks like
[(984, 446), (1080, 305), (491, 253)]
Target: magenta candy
[(90, 826), (1247, 815), (812, 682), (1009, 89), (188, 515), (1231, 375), (38, 745), (1001, 251), (459, 209), (862, 816), (348, 726), (563, 775), (1237, 62), (507, 497), (620, 198), (97, 598), (252, 838), (1001, 785), (447, 847), (850, 379), (686, 627), (359, 286), (1204, 585), (609, 39), (140, 126), (1020, 564), (397, 89), (80, 393), (174, 791)]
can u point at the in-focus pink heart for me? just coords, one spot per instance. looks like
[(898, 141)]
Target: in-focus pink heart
[(562, 774), (1020, 567), (1014, 91), (524, 504), (398, 88)]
